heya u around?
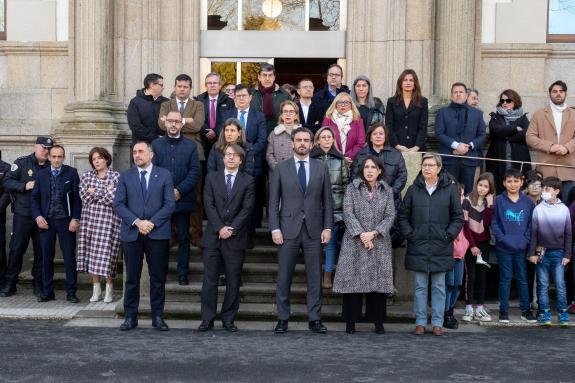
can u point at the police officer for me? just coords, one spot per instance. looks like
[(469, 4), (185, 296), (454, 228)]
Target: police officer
[(20, 181), (4, 202)]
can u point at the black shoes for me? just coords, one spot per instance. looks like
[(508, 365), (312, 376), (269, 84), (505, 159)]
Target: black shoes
[(350, 327), (7, 291), (281, 327), (230, 326), (47, 297), (206, 325), (159, 324), (129, 324), (317, 327), (72, 298), (450, 322), (379, 329), (222, 280), (183, 281)]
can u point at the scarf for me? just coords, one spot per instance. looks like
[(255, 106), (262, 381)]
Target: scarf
[(268, 100), (510, 115), (461, 113), (557, 111), (343, 122)]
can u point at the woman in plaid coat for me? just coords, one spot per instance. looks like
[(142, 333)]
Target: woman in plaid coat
[(99, 234)]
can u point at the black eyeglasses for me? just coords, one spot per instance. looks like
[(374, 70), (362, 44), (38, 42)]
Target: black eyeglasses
[(505, 101)]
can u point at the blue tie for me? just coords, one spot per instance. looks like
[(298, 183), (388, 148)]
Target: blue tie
[(143, 182), (301, 175), (229, 184), (55, 172), (243, 119)]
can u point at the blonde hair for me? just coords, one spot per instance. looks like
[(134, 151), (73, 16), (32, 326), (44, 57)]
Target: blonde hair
[(354, 112), (320, 131), (294, 106)]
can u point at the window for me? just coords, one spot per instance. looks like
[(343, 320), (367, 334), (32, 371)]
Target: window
[(561, 21), (273, 15), (235, 72), (2, 19)]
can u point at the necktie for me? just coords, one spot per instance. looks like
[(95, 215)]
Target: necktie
[(243, 119), (229, 184), (301, 176), (182, 106), (212, 113), (55, 172), (143, 182)]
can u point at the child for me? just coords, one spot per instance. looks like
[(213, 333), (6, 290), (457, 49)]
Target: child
[(533, 181), (478, 211), (512, 230), (550, 249), (454, 278)]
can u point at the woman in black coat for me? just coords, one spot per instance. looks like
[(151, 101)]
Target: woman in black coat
[(370, 107), (430, 218), (507, 129), (407, 114)]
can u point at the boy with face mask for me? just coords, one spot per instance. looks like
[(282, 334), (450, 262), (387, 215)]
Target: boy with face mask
[(550, 249)]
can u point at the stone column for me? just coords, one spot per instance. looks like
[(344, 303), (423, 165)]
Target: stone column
[(454, 44)]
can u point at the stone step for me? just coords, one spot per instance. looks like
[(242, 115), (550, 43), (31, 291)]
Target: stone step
[(84, 281), (251, 272)]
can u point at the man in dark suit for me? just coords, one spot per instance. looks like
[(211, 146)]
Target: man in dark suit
[(300, 217), (309, 113), (460, 130), (56, 207), (334, 85), (145, 202), (229, 200), (254, 124)]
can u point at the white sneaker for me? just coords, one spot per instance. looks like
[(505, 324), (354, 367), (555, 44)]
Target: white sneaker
[(468, 316), (482, 315)]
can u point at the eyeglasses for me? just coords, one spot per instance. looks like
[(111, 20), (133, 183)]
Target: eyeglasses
[(288, 112), (431, 166), (505, 101), (242, 95), (160, 84), (231, 155), (174, 121), (334, 74), (212, 83), (342, 103), (306, 87)]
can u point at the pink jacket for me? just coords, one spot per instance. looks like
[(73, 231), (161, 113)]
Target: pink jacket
[(355, 137)]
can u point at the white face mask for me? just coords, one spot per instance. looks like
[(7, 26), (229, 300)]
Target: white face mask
[(546, 196)]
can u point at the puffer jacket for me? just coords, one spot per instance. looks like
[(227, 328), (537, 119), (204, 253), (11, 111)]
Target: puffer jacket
[(431, 223), (338, 175)]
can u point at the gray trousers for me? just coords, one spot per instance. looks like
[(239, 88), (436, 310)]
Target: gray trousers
[(287, 256)]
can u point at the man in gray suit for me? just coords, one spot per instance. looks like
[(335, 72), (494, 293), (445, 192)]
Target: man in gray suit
[(300, 216)]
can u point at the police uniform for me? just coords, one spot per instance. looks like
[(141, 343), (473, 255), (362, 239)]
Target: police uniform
[(24, 227), (4, 202)]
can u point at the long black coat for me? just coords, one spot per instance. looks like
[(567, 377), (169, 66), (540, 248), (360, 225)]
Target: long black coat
[(500, 134), (407, 127), (430, 223)]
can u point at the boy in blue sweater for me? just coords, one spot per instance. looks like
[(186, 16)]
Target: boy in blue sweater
[(512, 230), (550, 249)]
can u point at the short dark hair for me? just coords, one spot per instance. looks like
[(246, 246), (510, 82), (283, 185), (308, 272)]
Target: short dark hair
[(513, 96), (301, 129), (456, 84), (183, 77), (151, 78), (149, 145), (302, 80), (242, 87), (552, 182), (377, 163), (57, 147), (372, 129), (265, 67), (335, 66), (237, 149), (560, 83), (105, 154), (512, 173)]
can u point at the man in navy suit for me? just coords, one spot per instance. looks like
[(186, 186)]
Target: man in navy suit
[(145, 202), (254, 124), (56, 207), (460, 130)]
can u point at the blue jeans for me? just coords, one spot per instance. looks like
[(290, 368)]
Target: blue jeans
[(437, 298), (332, 250), (551, 264), (512, 265), (453, 283)]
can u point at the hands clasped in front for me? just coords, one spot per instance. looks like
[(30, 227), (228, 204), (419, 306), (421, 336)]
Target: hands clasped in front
[(367, 239), (144, 226)]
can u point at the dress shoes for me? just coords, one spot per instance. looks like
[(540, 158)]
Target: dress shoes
[(350, 327), (183, 281), (72, 298), (206, 325), (437, 330), (317, 327), (230, 326), (159, 324), (419, 330), (46, 297), (281, 327), (129, 324), (7, 291), (379, 329)]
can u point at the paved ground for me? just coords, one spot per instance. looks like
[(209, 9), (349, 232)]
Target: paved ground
[(85, 350)]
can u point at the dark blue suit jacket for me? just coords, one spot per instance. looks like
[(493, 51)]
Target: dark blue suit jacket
[(40, 201), (256, 136), (446, 132), (157, 206)]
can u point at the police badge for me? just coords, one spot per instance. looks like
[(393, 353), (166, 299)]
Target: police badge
[(30, 172)]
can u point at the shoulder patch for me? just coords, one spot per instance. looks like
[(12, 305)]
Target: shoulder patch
[(14, 167)]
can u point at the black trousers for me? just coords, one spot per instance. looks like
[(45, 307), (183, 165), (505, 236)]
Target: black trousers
[(23, 229), (476, 275), (182, 223), (375, 307), (67, 239), (157, 255), (232, 261), (3, 258)]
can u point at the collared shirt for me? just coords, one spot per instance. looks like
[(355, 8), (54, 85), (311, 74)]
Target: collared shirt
[(431, 188), (234, 174), (179, 102), (304, 110), (306, 164), (213, 98), (147, 176), (59, 170), (247, 110)]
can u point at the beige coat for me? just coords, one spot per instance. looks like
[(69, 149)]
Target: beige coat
[(194, 116), (541, 134)]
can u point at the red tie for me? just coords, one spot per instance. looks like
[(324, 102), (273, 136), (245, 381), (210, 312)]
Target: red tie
[(212, 113)]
